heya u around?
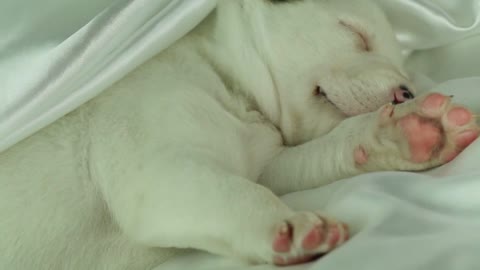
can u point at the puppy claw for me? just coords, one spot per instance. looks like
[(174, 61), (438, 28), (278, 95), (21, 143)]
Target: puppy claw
[(386, 113)]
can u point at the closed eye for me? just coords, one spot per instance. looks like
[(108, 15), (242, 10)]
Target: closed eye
[(363, 38)]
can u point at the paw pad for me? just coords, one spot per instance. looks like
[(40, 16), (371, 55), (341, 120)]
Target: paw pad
[(305, 237)]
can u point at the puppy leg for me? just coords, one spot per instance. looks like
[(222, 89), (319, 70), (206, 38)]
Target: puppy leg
[(321, 161), (416, 135), (188, 202)]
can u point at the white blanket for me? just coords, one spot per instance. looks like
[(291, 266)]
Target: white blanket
[(55, 55)]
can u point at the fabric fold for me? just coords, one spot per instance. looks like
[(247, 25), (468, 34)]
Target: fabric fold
[(114, 42)]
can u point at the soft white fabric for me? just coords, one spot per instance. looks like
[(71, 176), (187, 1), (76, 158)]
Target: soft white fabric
[(56, 54)]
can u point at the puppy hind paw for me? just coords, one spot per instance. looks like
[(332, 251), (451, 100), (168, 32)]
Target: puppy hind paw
[(305, 237)]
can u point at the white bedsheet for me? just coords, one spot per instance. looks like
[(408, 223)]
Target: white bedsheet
[(56, 54)]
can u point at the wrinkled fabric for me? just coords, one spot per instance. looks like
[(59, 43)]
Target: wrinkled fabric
[(426, 24), (56, 54), (440, 37)]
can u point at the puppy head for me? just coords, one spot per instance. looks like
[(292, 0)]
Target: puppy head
[(329, 60)]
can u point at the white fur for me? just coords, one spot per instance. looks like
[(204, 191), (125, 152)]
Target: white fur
[(186, 150)]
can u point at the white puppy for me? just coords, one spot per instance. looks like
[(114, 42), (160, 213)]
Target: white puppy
[(191, 149)]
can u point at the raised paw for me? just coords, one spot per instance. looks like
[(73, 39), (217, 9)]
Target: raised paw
[(428, 132), (306, 236)]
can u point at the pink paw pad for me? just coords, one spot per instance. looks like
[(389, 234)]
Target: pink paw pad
[(450, 156), (360, 155), (423, 137), (314, 238), (317, 240), (433, 103), (465, 138), (283, 239), (439, 131), (462, 140), (334, 236), (459, 116)]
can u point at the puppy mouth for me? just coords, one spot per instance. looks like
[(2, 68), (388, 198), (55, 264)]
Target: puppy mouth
[(320, 92)]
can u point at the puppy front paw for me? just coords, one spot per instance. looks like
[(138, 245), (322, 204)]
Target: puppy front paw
[(420, 134)]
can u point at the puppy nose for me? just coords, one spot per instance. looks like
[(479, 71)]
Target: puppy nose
[(401, 94)]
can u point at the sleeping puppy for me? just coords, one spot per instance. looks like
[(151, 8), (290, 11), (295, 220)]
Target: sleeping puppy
[(192, 149)]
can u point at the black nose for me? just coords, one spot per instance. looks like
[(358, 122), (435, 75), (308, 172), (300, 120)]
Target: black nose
[(407, 94)]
